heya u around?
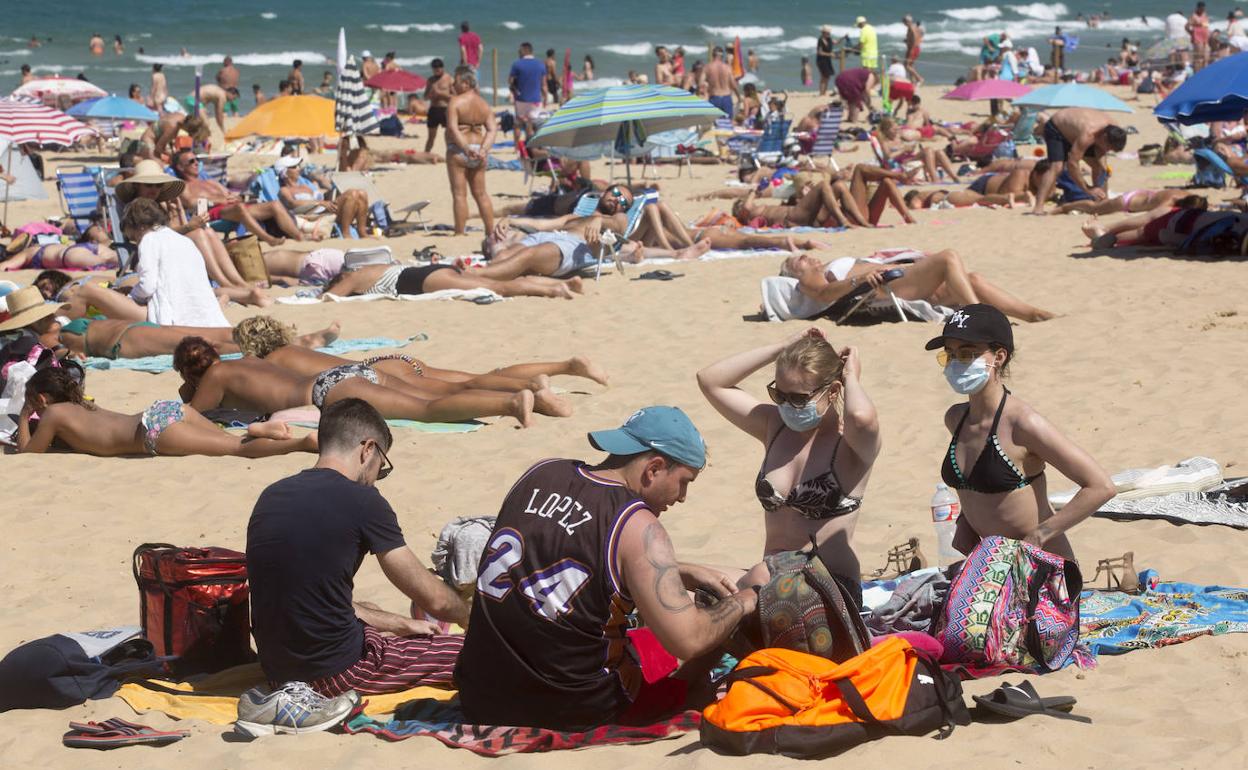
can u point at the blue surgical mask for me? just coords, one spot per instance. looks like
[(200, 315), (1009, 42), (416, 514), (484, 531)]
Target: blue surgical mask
[(803, 419), (967, 378)]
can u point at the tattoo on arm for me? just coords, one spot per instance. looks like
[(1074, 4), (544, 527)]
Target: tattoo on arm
[(669, 589), (726, 612)]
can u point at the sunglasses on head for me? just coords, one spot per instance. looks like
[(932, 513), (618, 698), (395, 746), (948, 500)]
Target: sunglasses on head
[(795, 400), (386, 465)]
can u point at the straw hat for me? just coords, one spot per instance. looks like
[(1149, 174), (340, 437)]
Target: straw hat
[(150, 172), (25, 307)]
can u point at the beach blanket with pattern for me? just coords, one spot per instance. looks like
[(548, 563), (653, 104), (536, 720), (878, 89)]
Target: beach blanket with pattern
[(445, 722), (1112, 623)]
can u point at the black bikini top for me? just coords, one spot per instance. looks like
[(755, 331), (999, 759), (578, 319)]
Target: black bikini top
[(820, 497), (993, 472)]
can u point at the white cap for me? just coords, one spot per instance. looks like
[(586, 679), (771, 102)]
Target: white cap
[(288, 162), (860, 20), (826, 29), (366, 54), (1007, 43)]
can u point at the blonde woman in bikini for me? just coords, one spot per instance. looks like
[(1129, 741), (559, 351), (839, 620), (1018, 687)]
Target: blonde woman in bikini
[(470, 130)]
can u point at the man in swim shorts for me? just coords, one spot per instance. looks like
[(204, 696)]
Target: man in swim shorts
[(438, 92), (720, 84), (326, 380), (1075, 134)]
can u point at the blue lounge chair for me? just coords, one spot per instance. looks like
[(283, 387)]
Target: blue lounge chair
[(827, 136), (80, 195), (771, 143), (1208, 165), (634, 219)]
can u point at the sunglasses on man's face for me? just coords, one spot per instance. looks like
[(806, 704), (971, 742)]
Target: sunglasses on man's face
[(386, 466), (795, 400), (619, 196)]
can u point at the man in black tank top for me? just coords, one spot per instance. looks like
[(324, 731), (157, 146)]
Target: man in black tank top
[(574, 549)]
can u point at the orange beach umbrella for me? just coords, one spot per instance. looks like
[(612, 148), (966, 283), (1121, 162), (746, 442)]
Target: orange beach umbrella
[(288, 116)]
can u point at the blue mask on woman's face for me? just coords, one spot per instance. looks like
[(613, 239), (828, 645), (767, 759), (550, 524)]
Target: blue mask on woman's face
[(967, 378), (801, 419)]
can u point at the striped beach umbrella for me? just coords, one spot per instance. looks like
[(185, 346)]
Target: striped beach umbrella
[(51, 89), (353, 114), (624, 114), (24, 123)]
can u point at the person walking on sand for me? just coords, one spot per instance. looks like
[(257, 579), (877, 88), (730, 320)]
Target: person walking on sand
[(868, 44), (438, 92), (720, 83), (1075, 134), (470, 48), (914, 46), (824, 51), (470, 129), (159, 91), (527, 81)]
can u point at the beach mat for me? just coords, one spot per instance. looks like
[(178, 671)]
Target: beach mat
[(1212, 506), (424, 427), (1166, 613), (158, 364), (444, 721), (472, 295), (214, 698)]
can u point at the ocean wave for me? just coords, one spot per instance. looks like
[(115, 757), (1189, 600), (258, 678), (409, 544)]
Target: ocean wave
[(628, 49), (268, 15), (18, 52), (796, 44), (986, 13), (411, 27), (415, 61), (589, 85), (513, 25), (745, 33), (244, 59), (1042, 11)]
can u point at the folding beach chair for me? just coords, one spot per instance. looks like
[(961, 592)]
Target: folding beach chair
[(80, 195), (126, 251), (855, 301), (678, 145), (212, 168), (587, 204), (827, 136), (416, 208), (615, 243), (1209, 165), (534, 168), (771, 143)]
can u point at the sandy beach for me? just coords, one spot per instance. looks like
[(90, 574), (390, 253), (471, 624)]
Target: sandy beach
[(1143, 367)]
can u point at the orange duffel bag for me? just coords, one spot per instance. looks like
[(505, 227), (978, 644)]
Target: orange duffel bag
[(787, 702)]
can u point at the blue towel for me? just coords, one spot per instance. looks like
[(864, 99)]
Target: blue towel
[(158, 364)]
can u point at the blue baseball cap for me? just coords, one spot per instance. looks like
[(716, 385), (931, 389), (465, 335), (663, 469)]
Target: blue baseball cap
[(664, 429)]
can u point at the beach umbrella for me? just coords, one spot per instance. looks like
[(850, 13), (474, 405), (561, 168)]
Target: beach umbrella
[(353, 114), (112, 108), (738, 61), (1217, 92), (51, 89), (24, 123), (986, 90), (399, 81), (288, 116), (1072, 95), (341, 58)]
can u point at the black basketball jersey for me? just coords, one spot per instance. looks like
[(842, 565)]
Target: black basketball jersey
[(546, 640)]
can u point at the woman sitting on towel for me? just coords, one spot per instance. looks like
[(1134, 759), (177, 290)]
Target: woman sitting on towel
[(164, 428), (820, 435), (939, 277), (398, 280), (1000, 448)]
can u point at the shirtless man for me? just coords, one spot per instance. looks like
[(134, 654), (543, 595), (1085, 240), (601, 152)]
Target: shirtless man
[(368, 65), (295, 78), (919, 124), (438, 92), (914, 44), (161, 135), (225, 205), (663, 75), (159, 91), (96, 45), (227, 76), (470, 129), (218, 97), (719, 82), (1073, 134)]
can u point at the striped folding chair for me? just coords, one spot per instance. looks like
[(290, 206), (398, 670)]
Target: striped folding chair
[(212, 168), (126, 252), (827, 136), (80, 195), (614, 242)]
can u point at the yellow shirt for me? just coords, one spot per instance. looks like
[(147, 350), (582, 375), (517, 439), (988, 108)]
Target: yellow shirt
[(869, 46)]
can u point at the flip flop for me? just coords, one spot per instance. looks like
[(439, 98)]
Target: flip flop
[(1021, 700), (659, 275), (114, 733)]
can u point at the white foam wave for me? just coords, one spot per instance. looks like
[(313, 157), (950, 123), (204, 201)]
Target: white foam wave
[(513, 25), (743, 32), (628, 49), (268, 15), (986, 13), (245, 59), (796, 44), (587, 85), (414, 27), (1042, 11), (415, 61), (18, 52)]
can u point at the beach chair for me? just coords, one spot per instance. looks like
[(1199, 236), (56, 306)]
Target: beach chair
[(1209, 163), (212, 168), (80, 195), (615, 243), (827, 136), (533, 168), (126, 252), (771, 143), (1025, 127), (587, 204), (407, 211), (857, 300)]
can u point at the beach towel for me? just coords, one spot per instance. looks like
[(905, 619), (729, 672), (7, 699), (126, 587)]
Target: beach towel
[(1166, 613), (473, 295), (157, 364), (1225, 504), (423, 427), (1195, 474), (214, 698), (445, 722)]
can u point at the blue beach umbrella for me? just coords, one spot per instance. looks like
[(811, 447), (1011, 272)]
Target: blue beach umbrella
[(1072, 95), (112, 108), (1217, 92)]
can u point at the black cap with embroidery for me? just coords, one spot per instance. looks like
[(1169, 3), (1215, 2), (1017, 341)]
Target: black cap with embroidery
[(976, 323)]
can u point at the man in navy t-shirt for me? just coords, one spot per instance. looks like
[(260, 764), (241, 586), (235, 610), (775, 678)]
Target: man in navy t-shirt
[(307, 537), (527, 80)]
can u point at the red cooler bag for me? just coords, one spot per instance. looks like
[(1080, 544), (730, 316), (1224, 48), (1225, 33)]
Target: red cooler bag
[(193, 605)]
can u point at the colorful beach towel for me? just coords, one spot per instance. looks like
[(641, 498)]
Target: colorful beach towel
[(158, 364), (445, 722), (1166, 613)]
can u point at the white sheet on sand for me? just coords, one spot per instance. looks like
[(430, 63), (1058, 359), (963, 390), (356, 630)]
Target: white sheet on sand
[(1195, 474), (712, 256), (466, 294), (783, 301)]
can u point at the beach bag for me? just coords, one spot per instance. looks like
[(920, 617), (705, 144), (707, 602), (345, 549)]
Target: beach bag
[(245, 254), (193, 605), (1011, 604), (805, 706), (390, 126), (354, 259), (802, 607)]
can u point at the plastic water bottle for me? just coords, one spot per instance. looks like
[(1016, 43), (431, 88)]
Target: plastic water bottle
[(945, 511)]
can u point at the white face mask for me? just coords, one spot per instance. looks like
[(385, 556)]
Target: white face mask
[(967, 378)]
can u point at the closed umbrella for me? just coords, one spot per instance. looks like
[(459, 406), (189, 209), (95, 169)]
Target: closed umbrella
[(353, 114), (399, 81), (1072, 95), (288, 116), (1217, 92), (51, 89), (112, 108), (986, 90)]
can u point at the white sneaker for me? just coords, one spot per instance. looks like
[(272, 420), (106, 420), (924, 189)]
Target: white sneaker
[(294, 708)]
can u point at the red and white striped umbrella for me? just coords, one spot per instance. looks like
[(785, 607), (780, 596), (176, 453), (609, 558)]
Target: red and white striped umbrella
[(25, 123), (50, 89)]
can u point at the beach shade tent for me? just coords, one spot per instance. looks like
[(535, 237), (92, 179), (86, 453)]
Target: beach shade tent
[(353, 114), (986, 90), (399, 81), (1072, 95), (27, 186), (286, 117), (52, 89), (624, 116), (1217, 92), (112, 108)]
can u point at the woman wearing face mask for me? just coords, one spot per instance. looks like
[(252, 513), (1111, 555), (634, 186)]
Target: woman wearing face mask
[(1000, 445), (820, 435)]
